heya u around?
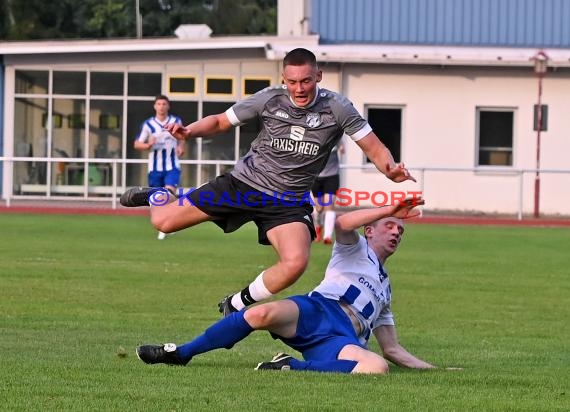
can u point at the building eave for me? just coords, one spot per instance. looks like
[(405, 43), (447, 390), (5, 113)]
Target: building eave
[(429, 55), (148, 45)]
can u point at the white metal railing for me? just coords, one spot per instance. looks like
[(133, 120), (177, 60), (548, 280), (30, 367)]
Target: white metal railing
[(116, 188), (519, 173)]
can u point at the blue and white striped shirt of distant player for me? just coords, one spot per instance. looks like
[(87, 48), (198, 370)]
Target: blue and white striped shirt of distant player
[(356, 277), (163, 156)]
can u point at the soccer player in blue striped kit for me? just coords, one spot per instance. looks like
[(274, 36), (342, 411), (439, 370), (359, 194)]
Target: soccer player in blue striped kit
[(331, 325), (164, 150)]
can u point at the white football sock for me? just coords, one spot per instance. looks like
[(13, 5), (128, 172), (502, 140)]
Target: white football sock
[(256, 291)]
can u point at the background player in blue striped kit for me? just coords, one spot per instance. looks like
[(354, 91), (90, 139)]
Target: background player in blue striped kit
[(332, 324), (164, 150)]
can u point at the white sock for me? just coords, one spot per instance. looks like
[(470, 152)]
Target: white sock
[(330, 216), (236, 301), (256, 290)]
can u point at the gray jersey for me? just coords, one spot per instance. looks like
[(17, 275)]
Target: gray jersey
[(294, 143), (332, 167)]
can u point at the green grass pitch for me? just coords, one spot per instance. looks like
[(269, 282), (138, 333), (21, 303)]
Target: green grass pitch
[(75, 290)]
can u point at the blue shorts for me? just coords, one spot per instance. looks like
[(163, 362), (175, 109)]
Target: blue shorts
[(164, 178), (323, 328)]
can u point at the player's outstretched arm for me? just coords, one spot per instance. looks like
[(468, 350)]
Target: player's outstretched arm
[(394, 352), (347, 224), (381, 157), (207, 126)]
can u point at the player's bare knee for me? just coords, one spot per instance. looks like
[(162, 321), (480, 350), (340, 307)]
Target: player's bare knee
[(161, 222), (294, 267), (258, 317), (380, 366), (376, 366)]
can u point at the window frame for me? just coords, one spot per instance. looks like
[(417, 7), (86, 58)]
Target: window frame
[(401, 107), (220, 95), (478, 147), (245, 79), (174, 76)]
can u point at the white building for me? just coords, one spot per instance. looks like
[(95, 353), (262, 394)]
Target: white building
[(460, 116)]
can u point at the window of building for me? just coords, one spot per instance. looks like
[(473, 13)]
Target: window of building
[(31, 141), (32, 81), (107, 83), (386, 122), (89, 117), (144, 84), (105, 133), (219, 85), (252, 86), (222, 146), (69, 82), (219, 147), (182, 84), (495, 137)]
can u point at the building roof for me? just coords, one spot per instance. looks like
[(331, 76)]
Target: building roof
[(275, 48), (478, 23)]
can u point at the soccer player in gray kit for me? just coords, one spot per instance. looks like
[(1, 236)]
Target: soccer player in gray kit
[(300, 125)]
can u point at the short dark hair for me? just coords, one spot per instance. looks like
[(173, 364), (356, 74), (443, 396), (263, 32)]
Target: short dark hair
[(299, 57), (161, 97)]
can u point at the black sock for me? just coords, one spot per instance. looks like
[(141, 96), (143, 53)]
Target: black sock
[(246, 298), (172, 192)]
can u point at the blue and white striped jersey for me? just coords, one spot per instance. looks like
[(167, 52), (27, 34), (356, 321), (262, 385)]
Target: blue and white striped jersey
[(356, 277), (162, 156)]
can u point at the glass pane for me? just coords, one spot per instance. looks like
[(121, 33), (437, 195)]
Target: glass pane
[(136, 174), (69, 141), (30, 178), (100, 179), (137, 112), (189, 176), (30, 137), (144, 84), (495, 157), (182, 84), (105, 129), (252, 86), (188, 112), (99, 174), (387, 125), (220, 146), (496, 129), (69, 173), (107, 83), (69, 82), (219, 86), (67, 179), (32, 81)]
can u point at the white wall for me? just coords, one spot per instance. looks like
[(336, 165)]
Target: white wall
[(439, 130)]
